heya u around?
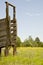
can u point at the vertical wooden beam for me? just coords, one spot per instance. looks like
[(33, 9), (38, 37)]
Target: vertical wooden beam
[(7, 30), (14, 20), (7, 10), (8, 23), (14, 13), (6, 51), (14, 49)]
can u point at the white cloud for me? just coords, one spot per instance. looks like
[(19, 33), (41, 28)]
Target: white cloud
[(33, 14)]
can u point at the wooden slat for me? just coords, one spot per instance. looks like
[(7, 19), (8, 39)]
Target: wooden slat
[(2, 23), (13, 29), (1, 30), (10, 4), (13, 40), (3, 36), (13, 25), (15, 33), (2, 43), (13, 21), (3, 39), (13, 36), (3, 26), (3, 33), (2, 20)]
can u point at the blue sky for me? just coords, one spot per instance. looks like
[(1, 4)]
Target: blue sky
[(29, 15)]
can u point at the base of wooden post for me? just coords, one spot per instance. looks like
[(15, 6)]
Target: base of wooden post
[(14, 50), (6, 51)]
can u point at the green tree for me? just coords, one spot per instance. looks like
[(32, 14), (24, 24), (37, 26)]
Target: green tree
[(28, 42), (41, 44), (37, 41), (18, 43), (31, 41)]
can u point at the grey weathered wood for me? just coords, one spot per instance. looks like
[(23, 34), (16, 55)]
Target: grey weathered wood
[(3, 39), (13, 21), (8, 30), (10, 4), (2, 20), (1, 30), (13, 25), (3, 43), (3, 33), (3, 24), (6, 51)]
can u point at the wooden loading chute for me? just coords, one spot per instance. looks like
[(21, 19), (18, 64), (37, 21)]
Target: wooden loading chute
[(8, 30)]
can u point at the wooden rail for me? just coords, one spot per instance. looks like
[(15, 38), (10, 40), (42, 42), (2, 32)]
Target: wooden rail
[(10, 4)]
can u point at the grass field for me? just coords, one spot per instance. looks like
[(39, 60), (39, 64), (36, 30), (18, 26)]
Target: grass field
[(24, 56)]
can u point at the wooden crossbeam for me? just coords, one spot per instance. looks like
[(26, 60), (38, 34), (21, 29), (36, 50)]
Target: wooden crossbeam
[(10, 4)]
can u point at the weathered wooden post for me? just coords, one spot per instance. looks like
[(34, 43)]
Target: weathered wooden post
[(15, 29), (7, 29)]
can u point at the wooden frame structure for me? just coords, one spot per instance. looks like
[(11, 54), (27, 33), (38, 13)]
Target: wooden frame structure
[(8, 31)]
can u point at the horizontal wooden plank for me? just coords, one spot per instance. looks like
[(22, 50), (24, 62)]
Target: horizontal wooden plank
[(2, 20), (2, 23), (10, 4), (15, 33), (3, 39), (13, 41), (13, 25), (13, 21), (3, 36), (3, 33), (3, 26), (3, 29), (13, 29), (13, 36), (3, 43)]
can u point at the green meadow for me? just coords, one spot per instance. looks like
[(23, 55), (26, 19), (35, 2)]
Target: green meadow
[(23, 56)]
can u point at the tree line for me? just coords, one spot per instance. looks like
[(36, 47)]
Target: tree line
[(30, 42)]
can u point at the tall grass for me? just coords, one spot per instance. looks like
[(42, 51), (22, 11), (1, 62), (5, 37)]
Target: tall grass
[(24, 56)]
